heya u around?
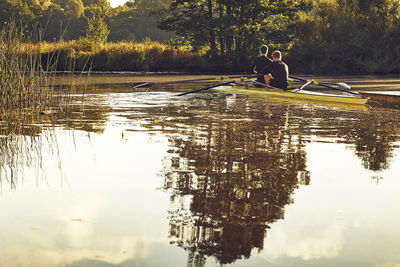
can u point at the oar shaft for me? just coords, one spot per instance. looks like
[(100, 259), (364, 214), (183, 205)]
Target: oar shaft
[(205, 88), (219, 78), (323, 84)]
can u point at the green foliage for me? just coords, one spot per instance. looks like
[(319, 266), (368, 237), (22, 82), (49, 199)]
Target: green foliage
[(333, 36), (100, 8), (232, 29), (67, 19), (71, 8), (349, 36), (134, 22), (96, 33), (180, 43)]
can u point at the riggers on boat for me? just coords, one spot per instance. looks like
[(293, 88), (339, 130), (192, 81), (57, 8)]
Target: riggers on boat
[(294, 93), (244, 85)]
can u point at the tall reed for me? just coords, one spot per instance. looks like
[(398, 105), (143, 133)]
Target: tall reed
[(26, 74), (20, 81)]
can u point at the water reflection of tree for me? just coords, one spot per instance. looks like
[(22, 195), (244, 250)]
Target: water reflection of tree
[(374, 136), (231, 175), (230, 181), (372, 132)]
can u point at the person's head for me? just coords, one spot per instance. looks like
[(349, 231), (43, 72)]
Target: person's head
[(276, 55), (263, 50)]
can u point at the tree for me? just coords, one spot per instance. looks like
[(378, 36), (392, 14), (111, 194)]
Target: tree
[(20, 11), (100, 8), (349, 36), (63, 19), (135, 21), (232, 29), (96, 32), (71, 8)]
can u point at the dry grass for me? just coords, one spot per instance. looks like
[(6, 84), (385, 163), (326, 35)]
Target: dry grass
[(122, 56), (26, 78), (23, 78)]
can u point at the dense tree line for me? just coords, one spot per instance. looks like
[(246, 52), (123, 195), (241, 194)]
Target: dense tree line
[(68, 19), (348, 36), (331, 36), (233, 29)]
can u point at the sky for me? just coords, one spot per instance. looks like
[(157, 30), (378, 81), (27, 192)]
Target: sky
[(115, 3)]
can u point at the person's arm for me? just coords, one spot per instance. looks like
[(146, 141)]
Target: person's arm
[(266, 72), (254, 70), (267, 78), (287, 71)]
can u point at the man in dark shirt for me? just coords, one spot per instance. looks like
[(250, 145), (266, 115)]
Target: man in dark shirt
[(260, 63), (276, 73)]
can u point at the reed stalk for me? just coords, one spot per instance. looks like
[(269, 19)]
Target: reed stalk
[(26, 74)]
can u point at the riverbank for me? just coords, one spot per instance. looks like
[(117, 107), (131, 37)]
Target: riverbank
[(123, 56), (149, 56)]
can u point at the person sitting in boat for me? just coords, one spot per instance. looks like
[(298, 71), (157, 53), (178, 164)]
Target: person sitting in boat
[(276, 74), (260, 63)]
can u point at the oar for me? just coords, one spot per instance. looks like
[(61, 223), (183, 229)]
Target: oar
[(205, 88), (220, 78), (323, 84), (342, 85)]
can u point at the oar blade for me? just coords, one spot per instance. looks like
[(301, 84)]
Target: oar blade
[(340, 86), (344, 86), (143, 85)]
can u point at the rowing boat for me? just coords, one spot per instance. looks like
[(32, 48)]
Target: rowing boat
[(244, 85), (294, 93)]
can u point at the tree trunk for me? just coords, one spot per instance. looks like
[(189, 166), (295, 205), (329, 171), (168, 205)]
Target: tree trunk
[(221, 30), (229, 37), (211, 29)]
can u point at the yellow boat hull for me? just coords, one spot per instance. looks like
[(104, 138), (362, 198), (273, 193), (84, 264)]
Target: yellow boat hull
[(295, 93)]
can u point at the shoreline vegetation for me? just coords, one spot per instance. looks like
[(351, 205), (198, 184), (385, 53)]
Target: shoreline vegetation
[(28, 97), (213, 36), (122, 56), (149, 56), (23, 76)]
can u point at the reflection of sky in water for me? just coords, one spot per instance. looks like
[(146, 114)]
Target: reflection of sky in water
[(106, 208), (341, 217), (105, 203)]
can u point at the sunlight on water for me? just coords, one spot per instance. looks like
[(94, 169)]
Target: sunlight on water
[(152, 179)]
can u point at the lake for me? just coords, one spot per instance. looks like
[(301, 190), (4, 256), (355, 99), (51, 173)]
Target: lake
[(148, 178)]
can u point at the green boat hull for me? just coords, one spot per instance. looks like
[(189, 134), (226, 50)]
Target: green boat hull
[(295, 94)]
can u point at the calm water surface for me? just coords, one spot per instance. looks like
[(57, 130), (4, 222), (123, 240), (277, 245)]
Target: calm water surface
[(151, 179)]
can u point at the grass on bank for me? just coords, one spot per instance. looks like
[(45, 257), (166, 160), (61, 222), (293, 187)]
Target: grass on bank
[(122, 56)]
